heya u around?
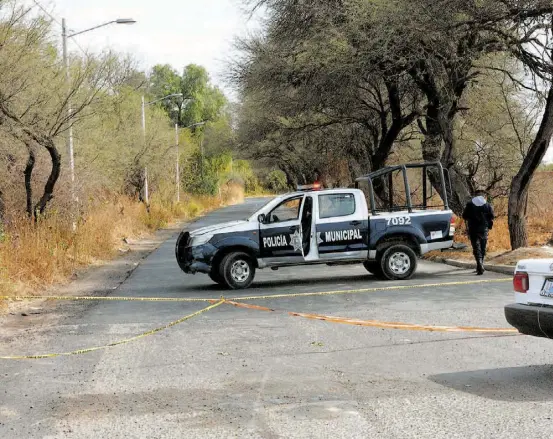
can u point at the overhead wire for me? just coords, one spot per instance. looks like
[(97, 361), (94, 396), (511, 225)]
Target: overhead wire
[(53, 18), (46, 12)]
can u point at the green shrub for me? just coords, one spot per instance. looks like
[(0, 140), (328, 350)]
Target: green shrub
[(276, 181)]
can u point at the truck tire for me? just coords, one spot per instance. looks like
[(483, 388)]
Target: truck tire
[(373, 267), (237, 270), (215, 276), (398, 262)]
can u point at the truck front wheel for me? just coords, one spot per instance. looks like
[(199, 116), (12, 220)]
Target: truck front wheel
[(373, 267), (216, 277), (237, 270), (398, 262)]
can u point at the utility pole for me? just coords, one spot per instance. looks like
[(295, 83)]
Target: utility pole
[(70, 150), (146, 195), (202, 154), (70, 132), (144, 104), (178, 171)]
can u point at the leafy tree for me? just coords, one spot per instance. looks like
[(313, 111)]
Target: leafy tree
[(165, 81), (201, 101), (276, 181), (208, 102)]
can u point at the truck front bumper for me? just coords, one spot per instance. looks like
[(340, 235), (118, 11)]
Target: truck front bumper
[(532, 320), (194, 259)]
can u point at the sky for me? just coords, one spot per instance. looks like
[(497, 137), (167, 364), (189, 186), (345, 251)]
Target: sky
[(176, 32)]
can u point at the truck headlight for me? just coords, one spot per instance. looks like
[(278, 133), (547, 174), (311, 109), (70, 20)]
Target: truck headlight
[(200, 239)]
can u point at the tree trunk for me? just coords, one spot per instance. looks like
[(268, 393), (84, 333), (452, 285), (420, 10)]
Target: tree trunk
[(460, 192), (26, 134), (438, 146), (48, 193), (28, 172), (521, 182), (291, 179), (432, 146)]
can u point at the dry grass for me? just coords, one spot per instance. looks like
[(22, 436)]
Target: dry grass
[(540, 218), (539, 234), (540, 228), (33, 256)]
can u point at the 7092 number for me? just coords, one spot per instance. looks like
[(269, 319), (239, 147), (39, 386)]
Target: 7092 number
[(399, 221)]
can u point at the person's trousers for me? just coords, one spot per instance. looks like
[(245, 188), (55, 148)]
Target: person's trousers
[(479, 243)]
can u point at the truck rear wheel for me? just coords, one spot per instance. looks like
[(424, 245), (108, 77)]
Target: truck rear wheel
[(398, 262), (237, 270)]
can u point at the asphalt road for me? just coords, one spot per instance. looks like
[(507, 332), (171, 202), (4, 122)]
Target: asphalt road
[(234, 372)]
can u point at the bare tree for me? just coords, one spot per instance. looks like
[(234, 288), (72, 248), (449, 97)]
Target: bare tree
[(312, 87), (34, 94)]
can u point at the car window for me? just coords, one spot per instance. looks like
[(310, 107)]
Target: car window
[(288, 210), (333, 205)]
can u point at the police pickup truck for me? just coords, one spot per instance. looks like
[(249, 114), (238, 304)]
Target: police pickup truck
[(332, 226)]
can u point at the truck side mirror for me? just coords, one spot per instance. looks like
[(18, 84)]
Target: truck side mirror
[(262, 218)]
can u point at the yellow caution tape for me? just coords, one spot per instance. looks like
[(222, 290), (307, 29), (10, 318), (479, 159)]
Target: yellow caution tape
[(217, 302), (369, 290), (107, 298), (404, 326), (270, 296), (115, 343), (378, 323)]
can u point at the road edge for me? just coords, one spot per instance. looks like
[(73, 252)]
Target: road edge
[(503, 269)]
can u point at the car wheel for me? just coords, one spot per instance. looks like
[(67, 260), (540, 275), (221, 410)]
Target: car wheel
[(373, 267), (237, 270), (216, 276), (398, 262)]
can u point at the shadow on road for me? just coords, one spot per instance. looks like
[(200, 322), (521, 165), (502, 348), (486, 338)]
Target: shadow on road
[(356, 281), (525, 383)]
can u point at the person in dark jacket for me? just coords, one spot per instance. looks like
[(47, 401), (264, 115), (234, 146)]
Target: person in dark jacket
[(479, 216)]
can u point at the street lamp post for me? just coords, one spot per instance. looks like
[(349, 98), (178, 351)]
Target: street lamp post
[(144, 105), (65, 36)]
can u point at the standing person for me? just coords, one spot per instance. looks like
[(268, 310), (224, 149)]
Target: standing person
[(479, 216)]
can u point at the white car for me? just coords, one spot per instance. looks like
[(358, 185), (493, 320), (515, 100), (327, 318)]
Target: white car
[(532, 314)]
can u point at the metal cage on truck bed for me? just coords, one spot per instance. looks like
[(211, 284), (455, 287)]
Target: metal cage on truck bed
[(386, 176)]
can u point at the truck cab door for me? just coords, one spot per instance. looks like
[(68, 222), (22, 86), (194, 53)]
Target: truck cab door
[(342, 226), (281, 240)]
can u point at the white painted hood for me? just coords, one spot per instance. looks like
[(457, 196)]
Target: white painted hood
[(222, 228)]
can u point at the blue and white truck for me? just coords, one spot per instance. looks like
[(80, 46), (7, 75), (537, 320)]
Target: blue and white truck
[(327, 226)]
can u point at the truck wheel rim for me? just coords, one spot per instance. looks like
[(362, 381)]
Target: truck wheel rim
[(399, 263), (240, 271)]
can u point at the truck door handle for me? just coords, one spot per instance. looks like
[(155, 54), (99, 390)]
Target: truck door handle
[(355, 223)]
